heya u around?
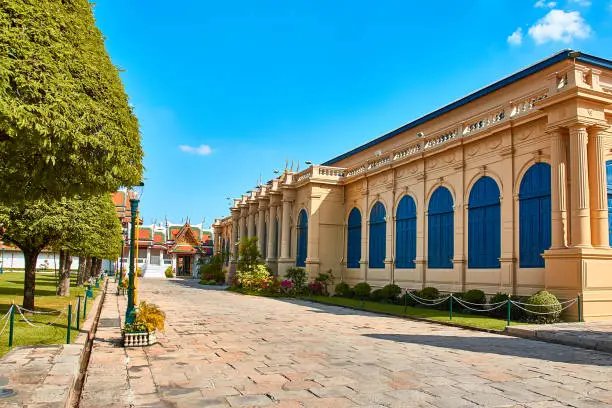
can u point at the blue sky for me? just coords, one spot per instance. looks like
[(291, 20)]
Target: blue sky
[(227, 90)]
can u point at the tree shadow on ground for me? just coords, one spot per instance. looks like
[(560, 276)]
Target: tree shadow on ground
[(194, 284), (505, 346)]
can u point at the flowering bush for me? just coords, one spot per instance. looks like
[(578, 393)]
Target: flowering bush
[(316, 288), (253, 278), (286, 286)]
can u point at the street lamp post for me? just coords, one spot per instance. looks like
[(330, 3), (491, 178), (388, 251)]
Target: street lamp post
[(119, 274), (130, 303)]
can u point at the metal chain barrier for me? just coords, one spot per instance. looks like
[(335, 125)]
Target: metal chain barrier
[(6, 317), (486, 306), (435, 302), (544, 313), (19, 309)]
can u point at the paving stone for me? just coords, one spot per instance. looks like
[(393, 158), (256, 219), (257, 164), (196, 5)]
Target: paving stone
[(221, 349)]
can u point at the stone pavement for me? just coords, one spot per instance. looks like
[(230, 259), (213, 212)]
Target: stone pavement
[(44, 376), (590, 335), (227, 350)]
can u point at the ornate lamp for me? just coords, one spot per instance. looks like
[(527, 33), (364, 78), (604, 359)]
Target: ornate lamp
[(134, 193)]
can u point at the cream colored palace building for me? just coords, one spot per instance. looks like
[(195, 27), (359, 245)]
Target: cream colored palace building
[(508, 189)]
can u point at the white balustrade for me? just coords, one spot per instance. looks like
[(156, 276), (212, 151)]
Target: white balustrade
[(437, 141), (526, 105)]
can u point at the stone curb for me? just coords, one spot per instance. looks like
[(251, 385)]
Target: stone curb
[(550, 336), (85, 340)]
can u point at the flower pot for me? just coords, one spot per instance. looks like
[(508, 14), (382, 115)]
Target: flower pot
[(139, 339)]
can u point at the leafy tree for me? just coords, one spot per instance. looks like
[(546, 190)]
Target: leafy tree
[(66, 126), (32, 226), (83, 226), (248, 254)]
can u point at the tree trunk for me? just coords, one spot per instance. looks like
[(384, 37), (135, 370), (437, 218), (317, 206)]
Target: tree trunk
[(87, 269), (63, 288), (81, 272), (29, 284), (92, 270), (58, 273), (99, 268)]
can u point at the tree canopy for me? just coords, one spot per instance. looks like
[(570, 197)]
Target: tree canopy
[(87, 227), (65, 123)]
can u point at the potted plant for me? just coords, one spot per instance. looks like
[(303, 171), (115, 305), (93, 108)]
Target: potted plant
[(148, 318)]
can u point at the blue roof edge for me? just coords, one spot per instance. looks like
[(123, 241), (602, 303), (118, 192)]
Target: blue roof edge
[(532, 69)]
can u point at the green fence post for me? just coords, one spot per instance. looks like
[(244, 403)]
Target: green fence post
[(69, 325), (508, 312), (451, 307), (406, 301), (579, 314), (78, 327), (12, 325), (84, 307)]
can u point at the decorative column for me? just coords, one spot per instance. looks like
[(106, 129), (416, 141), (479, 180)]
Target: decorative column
[(243, 221), (558, 189), (251, 222), (261, 220), (271, 251), (286, 228), (598, 189), (581, 217)]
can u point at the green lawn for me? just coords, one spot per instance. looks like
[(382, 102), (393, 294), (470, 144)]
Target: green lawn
[(11, 290), (463, 319)]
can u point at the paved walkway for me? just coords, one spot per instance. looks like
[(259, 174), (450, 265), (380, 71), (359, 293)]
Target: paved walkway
[(228, 350), (591, 335)]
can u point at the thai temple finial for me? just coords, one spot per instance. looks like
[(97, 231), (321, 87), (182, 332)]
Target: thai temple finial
[(286, 163), (298, 167), (291, 169)]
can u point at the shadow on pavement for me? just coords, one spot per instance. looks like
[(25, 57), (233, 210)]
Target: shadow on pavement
[(506, 346), (194, 284)]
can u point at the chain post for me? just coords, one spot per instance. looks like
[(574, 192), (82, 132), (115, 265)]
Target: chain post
[(451, 307), (84, 307), (12, 326), (78, 326), (508, 312), (69, 325), (579, 310)]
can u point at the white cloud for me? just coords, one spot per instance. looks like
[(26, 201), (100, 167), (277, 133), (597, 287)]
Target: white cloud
[(202, 150), (516, 38), (583, 3), (559, 25), (545, 4)]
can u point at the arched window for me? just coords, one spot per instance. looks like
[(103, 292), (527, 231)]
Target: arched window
[(609, 174), (378, 227), (302, 239), (353, 250), (264, 244), (484, 225), (223, 254), (534, 216), (405, 231), (441, 230), (277, 243), (227, 252)]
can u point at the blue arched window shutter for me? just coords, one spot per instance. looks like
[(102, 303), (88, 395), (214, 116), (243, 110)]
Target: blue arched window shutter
[(302, 239), (441, 230), (484, 225), (377, 242), (264, 244), (353, 250), (227, 252), (405, 233), (276, 248), (609, 174), (534, 216)]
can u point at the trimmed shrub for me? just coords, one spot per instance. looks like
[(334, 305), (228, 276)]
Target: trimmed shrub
[(169, 272), (475, 296), (298, 277), (429, 293), (362, 290), (500, 311), (316, 288), (543, 302), (344, 290), (408, 300), (391, 292), (377, 295)]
